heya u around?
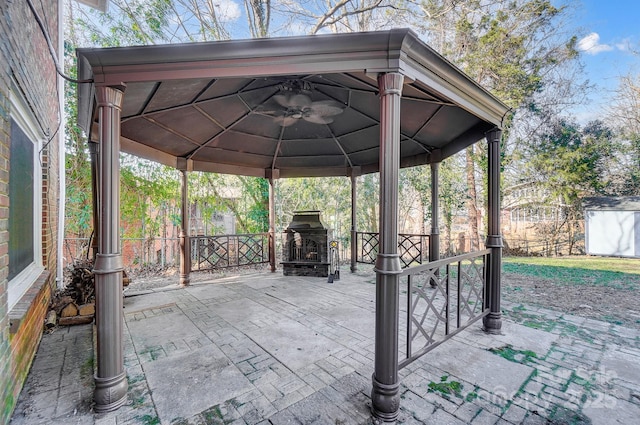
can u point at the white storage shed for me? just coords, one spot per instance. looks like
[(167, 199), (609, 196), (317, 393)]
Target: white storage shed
[(612, 226)]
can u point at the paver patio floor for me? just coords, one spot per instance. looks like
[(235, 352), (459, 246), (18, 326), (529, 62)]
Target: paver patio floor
[(269, 349)]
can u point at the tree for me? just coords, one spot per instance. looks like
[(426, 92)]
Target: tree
[(570, 162), (625, 110), (451, 203), (516, 49), (625, 115)]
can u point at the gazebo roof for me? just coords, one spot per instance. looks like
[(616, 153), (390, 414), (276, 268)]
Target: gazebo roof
[(293, 107)]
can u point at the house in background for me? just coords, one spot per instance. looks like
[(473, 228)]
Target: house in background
[(31, 181), (612, 226), (526, 205)]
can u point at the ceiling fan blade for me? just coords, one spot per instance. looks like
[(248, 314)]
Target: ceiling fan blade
[(300, 101), (326, 108), (283, 100), (318, 119), (268, 112), (285, 121)]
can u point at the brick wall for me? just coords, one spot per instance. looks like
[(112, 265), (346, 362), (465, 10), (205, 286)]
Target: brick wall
[(25, 60), (5, 364)]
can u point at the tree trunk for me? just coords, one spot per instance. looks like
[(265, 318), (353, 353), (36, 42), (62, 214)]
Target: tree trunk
[(472, 199)]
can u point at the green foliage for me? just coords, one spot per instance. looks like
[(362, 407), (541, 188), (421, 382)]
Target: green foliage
[(610, 272), (570, 162), (519, 50), (508, 46), (128, 23), (513, 47), (513, 355), (150, 420), (417, 179), (257, 210), (446, 387), (330, 195), (78, 208)]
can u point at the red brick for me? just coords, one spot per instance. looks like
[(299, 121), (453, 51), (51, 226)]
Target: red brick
[(24, 57)]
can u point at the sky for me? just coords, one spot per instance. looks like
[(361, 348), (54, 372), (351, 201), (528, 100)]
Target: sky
[(611, 30)]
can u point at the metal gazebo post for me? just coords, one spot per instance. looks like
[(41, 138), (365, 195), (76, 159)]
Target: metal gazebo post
[(355, 172), (385, 395), (185, 241), (93, 153), (493, 321), (434, 238), (272, 220), (110, 379)]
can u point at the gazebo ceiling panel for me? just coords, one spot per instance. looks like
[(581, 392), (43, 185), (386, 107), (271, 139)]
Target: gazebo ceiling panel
[(190, 123), (224, 156), (364, 157), (416, 115), (149, 134), (366, 104), (222, 87), (304, 162), (450, 123), (307, 105), (363, 139), (225, 112), (249, 143), (309, 147), (176, 92), (411, 148), (353, 81), (339, 94), (258, 125), (304, 130), (137, 97), (413, 91), (351, 120)]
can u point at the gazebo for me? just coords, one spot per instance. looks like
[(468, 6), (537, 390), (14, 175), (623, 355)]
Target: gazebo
[(323, 105)]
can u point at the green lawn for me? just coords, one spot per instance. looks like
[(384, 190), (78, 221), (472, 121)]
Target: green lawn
[(579, 270)]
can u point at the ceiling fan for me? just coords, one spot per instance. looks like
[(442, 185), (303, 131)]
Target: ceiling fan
[(295, 99)]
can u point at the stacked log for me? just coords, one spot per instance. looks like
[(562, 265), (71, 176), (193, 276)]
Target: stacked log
[(75, 304)]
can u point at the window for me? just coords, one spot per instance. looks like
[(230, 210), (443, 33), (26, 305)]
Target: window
[(21, 191), (25, 205)]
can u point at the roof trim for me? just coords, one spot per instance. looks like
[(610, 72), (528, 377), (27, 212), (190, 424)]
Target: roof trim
[(612, 203), (396, 50)]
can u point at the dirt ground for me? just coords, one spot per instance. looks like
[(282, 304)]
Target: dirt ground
[(619, 306)]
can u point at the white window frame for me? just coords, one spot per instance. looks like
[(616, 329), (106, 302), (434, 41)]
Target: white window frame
[(24, 118)]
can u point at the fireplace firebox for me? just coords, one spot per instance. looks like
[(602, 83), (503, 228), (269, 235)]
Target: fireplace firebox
[(305, 246)]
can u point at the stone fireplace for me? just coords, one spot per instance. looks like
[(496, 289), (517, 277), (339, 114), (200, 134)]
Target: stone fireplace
[(305, 246)]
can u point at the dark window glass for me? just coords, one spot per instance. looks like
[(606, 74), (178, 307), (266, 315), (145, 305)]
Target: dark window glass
[(20, 201)]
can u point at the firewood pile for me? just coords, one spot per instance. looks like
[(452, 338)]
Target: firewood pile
[(75, 305)]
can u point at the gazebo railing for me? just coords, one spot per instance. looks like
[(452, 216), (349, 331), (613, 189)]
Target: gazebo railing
[(413, 248), (222, 251), (443, 298)]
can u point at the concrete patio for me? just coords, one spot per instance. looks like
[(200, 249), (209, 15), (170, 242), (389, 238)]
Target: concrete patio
[(268, 349)]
